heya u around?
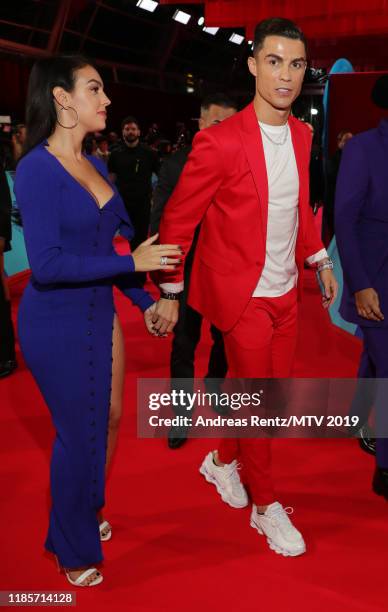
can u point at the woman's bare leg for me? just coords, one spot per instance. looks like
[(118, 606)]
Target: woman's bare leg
[(116, 402)]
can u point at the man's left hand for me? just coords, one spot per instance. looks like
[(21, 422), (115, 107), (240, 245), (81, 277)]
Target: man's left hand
[(330, 287)]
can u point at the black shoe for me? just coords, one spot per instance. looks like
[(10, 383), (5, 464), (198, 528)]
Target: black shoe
[(366, 440), (177, 436), (380, 482), (7, 367)]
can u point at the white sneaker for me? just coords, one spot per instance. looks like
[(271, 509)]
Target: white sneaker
[(226, 480), (282, 536)]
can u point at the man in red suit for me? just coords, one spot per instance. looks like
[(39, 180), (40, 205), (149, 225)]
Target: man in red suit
[(246, 180)]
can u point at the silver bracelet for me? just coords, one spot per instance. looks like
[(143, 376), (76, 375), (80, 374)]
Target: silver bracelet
[(328, 265)]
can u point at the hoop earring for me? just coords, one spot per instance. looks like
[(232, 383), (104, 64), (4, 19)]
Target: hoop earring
[(68, 127)]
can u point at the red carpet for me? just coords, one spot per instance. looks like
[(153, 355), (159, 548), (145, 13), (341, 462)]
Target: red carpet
[(176, 546)]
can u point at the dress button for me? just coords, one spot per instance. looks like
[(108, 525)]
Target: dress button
[(91, 363), (92, 393), (91, 304), (90, 318), (90, 348), (89, 332), (91, 377), (95, 244), (94, 481), (92, 423), (91, 408)]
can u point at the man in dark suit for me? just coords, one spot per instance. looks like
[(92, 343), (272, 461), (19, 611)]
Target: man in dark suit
[(361, 221), (187, 332), (7, 338)]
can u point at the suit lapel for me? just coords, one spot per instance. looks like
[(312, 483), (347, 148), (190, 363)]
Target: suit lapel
[(300, 149), (253, 146)]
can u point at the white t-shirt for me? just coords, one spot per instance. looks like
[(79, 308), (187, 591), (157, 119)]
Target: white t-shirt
[(280, 273)]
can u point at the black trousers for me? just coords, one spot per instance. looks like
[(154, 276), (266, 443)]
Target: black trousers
[(187, 334), (139, 212), (7, 336)]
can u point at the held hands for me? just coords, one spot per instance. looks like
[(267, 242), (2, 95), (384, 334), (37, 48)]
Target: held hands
[(164, 316), (368, 305), (330, 287), (148, 256)]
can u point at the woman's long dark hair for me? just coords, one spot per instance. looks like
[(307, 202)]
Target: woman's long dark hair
[(47, 73)]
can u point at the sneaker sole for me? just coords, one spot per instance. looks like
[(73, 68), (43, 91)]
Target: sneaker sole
[(209, 478), (275, 547)]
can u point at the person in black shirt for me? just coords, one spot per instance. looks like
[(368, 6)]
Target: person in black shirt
[(332, 168), (131, 167)]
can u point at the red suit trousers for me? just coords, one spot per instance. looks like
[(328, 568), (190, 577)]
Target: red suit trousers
[(261, 345)]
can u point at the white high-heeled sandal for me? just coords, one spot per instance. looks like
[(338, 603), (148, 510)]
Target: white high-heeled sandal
[(78, 582), (107, 536)]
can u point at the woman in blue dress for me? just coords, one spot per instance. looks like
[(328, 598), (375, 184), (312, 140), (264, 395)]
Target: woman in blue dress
[(68, 329)]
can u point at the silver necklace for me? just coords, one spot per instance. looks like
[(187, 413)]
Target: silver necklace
[(281, 142)]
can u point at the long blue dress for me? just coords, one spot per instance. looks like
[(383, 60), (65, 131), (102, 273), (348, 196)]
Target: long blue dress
[(65, 326)]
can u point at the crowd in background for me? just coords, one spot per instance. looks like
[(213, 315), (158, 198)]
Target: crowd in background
[(134, 160)]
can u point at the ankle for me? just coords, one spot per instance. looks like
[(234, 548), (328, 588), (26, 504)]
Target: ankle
[(216, 460)]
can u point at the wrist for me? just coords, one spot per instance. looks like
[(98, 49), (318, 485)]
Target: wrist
[(169, 295), (325, 264)]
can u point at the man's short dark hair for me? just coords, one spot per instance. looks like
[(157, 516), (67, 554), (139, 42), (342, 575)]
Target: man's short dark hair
[(129, 119), (219, 99), (276, 26)]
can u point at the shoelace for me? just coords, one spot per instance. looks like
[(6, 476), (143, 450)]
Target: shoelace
[(281, 517), (233, 474)]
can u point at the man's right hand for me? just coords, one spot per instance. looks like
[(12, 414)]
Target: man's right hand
[(165, 316), (368, 305)]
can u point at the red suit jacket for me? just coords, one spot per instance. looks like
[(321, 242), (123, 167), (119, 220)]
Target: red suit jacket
[(224, 187)]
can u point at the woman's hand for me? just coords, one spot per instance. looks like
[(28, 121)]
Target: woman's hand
[(148, 256), (148, 314), (330, 287), (368, 304)]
